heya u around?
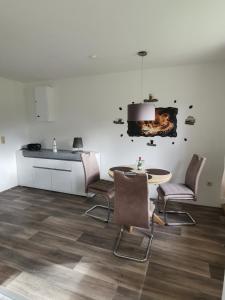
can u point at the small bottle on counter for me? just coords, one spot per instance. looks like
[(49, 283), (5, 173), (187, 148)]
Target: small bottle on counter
[(54, 145)]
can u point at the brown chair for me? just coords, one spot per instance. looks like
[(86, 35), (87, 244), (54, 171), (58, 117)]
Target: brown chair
[(178, 192), (132, 208), (95, 185)]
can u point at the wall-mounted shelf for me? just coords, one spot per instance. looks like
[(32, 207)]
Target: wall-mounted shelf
[(151, 143), (118, 121)]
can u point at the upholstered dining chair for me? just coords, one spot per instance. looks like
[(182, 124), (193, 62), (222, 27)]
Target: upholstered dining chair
[(223, 186), (96, 186), (179, 192), (132, 208)]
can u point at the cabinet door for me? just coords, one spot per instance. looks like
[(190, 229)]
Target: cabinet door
[(42, 178), (43, 103), (61, 181), (40, 104), (78, 179), (24, 170)]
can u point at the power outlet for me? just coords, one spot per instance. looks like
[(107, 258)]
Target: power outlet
[(2, 139)]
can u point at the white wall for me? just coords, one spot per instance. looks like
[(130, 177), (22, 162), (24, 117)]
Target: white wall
[(87, 107), (14, 126)]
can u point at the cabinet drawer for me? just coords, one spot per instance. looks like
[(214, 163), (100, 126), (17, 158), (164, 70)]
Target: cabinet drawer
[(52, 164)]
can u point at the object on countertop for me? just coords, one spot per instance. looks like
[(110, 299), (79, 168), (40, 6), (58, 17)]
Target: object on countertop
[(54, 146), (77, 144), (33, 147)]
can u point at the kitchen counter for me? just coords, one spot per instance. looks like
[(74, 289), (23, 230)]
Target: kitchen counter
[(62, 171), (49, 154)]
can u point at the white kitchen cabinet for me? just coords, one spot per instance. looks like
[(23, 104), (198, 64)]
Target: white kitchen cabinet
[(25, 170), (78, 178), (44, 104), (62, 181), (42, 178), (51, 174)]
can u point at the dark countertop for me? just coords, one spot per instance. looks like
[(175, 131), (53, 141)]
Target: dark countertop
[(49, 154)]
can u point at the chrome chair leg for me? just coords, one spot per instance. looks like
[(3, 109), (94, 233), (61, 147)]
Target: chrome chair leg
[(108, 208), (176, 212), (147, 252), (164, 213)]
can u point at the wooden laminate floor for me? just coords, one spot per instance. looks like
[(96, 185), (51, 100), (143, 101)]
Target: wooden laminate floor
[(50, 250)]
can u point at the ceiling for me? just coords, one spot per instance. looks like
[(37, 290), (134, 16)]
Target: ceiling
[(53, 39)]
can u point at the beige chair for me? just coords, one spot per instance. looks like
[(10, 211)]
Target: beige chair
[(223, 190), (178, 192), (96, 186), (223, 185), (132, 208)]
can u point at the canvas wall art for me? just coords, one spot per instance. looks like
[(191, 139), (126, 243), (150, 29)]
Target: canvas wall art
[(165, 124)]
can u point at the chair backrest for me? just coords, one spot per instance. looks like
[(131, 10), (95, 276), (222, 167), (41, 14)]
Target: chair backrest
[(131, 203), (91, 168), (223, 184), (193, 172)]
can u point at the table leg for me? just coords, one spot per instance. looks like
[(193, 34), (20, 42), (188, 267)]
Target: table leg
[(158, 220), (154, 206), (129, 228)]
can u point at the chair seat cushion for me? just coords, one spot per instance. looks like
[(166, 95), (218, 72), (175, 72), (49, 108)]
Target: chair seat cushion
[(102, 185), (176, 191)]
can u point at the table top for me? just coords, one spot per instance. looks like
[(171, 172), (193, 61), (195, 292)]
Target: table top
[(155, 176)]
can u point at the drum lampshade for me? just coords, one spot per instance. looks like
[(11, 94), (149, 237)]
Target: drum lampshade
[(141, 112), (77, 142)]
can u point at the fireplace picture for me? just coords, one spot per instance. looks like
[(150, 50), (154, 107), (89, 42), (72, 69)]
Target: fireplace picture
[(165, 124)]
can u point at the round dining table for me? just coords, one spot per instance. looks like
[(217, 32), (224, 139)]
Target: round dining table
[(155, 176)]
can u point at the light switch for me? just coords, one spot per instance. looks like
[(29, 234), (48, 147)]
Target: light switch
[(2, 139)]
